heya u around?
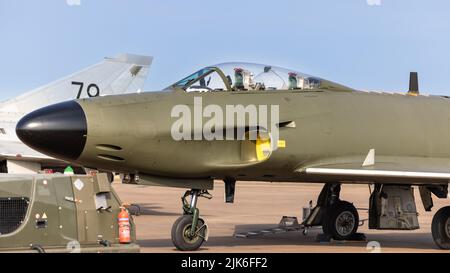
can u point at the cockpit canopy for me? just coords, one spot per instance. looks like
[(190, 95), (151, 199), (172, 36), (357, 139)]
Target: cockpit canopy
[(248, 76)]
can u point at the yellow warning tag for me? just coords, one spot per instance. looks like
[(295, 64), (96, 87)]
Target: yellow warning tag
[(281, 143)]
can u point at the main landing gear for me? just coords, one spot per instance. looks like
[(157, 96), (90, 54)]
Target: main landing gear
[(440, 228), (339, 219), (190, 231), (391, 207)]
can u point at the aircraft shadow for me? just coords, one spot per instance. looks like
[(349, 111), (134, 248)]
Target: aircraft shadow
[(395, 240), (154, 210)]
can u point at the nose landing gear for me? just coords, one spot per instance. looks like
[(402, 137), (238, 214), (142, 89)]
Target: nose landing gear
[(189, 231)]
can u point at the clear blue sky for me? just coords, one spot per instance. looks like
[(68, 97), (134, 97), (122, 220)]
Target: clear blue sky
[(348, 41)]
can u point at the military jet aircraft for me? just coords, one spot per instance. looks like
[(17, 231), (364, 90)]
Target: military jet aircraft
[(249, 122), (123, 74)]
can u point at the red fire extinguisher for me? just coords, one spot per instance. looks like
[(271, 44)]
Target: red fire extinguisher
[(124, 227)]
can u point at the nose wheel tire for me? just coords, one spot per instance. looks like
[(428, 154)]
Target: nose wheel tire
[(182, 237), (341, 221), (440, 228)]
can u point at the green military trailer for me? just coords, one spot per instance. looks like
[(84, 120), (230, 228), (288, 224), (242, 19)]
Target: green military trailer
[(60, 213)]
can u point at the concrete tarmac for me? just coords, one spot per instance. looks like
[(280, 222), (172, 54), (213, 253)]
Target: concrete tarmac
[(260, 205)]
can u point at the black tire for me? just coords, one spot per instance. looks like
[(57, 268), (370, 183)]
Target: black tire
[(126, 179), (180, 238), (440, 228), (110, 177), (341, 221)]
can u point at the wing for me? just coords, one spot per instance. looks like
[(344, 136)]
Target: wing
[(383, 169), (15, 150)]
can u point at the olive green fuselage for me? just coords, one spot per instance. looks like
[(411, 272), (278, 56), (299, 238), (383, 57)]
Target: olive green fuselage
[(132, 133)]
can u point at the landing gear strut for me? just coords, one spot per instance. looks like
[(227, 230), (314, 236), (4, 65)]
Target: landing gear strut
[(190, 231)]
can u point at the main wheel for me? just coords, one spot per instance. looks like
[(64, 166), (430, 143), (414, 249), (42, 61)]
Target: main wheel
[(181, 234), (440, 228), (110, 177), (341, 221)]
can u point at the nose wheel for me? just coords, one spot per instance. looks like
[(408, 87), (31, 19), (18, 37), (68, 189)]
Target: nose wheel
[(182, 237), (189, 231)]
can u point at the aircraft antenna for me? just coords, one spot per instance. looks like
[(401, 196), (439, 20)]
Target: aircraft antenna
[(413, 84)]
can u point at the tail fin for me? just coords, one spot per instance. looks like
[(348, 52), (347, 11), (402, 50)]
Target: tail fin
[(125, 73)]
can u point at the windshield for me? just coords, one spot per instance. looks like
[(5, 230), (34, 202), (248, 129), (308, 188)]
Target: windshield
[(192, 78)]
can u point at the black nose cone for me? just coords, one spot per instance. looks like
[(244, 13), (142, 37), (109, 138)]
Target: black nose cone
[(58, 130)]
